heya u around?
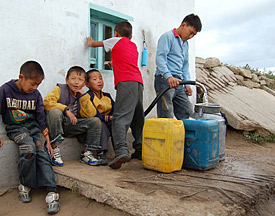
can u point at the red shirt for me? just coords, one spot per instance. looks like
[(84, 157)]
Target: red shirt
[(125, 62)]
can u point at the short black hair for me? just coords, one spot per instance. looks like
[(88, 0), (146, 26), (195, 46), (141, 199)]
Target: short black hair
[(89, 72), (193, 20), (77, 69), (124, 29), (31, 70)]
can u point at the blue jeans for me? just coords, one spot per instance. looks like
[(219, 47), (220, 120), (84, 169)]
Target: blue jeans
[(173, 102), (89, 128), (34, 164)]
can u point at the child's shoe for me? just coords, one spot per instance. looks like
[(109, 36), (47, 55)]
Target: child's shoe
[(57, 157), (52, 200), (137, 155), (24, 193), (88, 158), (119, 160), (101, 156)]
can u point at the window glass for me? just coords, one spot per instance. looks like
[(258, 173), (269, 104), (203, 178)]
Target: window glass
[(107, 57), (93, 52)]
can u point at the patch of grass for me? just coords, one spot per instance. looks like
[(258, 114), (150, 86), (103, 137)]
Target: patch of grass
[(256, 138)]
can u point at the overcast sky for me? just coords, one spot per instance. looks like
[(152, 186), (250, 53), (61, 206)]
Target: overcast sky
[(238, 32)]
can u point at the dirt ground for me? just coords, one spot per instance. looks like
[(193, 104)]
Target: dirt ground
[(245, 180)]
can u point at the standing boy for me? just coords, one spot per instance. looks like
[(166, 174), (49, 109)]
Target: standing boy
[(104, 104), (22, 110), (172, 67), (70, 113), (128, 110)]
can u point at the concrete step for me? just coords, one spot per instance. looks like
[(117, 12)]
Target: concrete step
[(70, 150)]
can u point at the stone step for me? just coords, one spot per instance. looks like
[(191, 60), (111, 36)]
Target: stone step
[(70, 150)]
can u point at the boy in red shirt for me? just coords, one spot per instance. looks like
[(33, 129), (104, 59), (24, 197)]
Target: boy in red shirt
[(128, 110)]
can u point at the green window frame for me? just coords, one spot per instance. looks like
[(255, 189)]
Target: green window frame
[(101, 26)]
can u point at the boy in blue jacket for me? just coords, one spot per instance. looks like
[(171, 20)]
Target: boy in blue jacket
[(173, 66), (22, 110), (104, 104)]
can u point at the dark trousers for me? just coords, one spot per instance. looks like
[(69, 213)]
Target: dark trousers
[(106, 132), (90, 128), (128, 112)]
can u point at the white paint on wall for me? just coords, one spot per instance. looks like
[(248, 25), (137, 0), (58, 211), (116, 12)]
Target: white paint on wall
[(53, 33)]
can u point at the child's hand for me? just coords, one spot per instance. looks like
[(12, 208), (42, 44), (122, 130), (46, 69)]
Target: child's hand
[(71, 116), (111, 118), (49, 146), (188, 90), (1, 142), (90, 41), (79, 92)]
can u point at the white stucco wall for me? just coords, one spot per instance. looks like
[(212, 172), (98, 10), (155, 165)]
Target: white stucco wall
[(53, 33)]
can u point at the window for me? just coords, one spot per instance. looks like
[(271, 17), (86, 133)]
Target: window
[(102, 25)]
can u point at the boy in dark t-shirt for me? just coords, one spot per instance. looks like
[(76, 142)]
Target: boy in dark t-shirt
[(22, 110)]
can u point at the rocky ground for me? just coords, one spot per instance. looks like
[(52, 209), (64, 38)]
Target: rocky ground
[(243, 184)]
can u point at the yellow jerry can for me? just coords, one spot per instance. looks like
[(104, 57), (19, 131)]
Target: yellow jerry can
[(163, 144)]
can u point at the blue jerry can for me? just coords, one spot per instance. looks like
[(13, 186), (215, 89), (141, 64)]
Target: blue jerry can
[(201, 149)]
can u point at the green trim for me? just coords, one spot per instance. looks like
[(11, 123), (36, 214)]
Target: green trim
[(103, 16), (108, 14)]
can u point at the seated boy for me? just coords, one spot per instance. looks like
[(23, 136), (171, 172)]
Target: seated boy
[(70, 113), (22, 110), (104, 105)]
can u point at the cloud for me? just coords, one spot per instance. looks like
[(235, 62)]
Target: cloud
[(237, 32)]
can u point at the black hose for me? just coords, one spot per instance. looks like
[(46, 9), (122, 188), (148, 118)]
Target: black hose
[(165, 90)]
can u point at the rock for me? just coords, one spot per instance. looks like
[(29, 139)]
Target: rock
[(247, 109), (200, 60), (263, 78), (245, 73), (255, 78), (234, 70), (262, 82), (235, 90), (239, 77), (268, 90), (249, 84), (224, 71), (212, 62)]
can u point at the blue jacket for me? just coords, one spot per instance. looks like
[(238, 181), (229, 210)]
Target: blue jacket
[(104, 106), (172, 56)]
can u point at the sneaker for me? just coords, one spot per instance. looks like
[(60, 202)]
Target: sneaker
[(102, 158), (136, 155), (88, 158), (24, 193), (52, 200), (57, 157), (118, 161)]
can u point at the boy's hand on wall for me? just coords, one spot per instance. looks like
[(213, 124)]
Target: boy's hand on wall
[(111, 118), (71, 116), (1, 142), (90, 41)]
